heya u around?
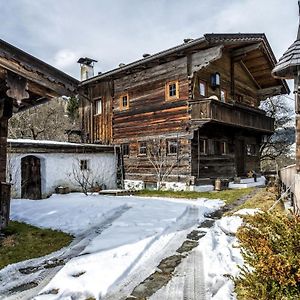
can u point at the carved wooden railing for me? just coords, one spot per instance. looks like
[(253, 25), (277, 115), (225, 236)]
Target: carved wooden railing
[(231, 114)]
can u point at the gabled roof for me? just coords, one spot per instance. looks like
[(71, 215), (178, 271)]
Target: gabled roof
[(251, 48)]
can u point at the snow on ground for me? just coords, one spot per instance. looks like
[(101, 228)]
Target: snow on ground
[(222, 256), (142, 229)]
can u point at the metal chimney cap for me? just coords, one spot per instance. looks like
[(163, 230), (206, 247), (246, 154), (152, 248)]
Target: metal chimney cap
[(86, 61)]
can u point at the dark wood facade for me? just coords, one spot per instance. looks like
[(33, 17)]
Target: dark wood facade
[(25, 81), (171, 95)]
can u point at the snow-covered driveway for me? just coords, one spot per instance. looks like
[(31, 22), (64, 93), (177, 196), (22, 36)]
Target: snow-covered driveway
[(125, 237)]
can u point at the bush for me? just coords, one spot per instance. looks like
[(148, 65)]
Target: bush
[(270, 245)]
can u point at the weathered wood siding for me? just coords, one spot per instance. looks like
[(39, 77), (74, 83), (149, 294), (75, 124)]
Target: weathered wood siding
[(138, 167), (243, 84), (99, 126), (150, 116), (237, 161), (149, 112)]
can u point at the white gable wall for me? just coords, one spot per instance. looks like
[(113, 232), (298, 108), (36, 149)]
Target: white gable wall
[(57, 170)]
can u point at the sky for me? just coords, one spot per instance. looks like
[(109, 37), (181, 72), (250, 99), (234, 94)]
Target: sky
[(121, 31)]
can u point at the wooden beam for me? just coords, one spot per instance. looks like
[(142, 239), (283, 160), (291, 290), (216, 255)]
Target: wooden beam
[(274, 90), (244, 50), (249, 74)]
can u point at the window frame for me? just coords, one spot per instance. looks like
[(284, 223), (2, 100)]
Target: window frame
[(122, 107), (169, 146), (221, 147), (205, 87), (127, 147), (250, 147), (84, 164), (225, 95), (96, 106), (140, 146), (167, 90), (205, 146)]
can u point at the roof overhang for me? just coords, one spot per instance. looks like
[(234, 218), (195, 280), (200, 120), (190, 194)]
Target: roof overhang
[(38, 80), (252, 49)]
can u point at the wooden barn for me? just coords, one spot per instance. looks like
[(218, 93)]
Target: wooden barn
[(197, 102), (25, 81)]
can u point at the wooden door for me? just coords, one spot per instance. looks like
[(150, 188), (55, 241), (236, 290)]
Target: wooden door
[(31, 177), (240, 157)]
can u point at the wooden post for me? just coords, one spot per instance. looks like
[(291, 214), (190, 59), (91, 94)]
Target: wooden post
[(297, 175), (5, 113)]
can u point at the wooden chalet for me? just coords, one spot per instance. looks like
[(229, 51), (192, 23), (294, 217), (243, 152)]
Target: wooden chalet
[(201, 97), (25, 81)]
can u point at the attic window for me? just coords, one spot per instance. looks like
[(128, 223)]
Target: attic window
[(202, 88), (171, 90), (98, 106), (124, 102), (223, 95)]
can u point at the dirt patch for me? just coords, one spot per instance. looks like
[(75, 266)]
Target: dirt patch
[(187, 246), (169, 264), (196, 235), (150, 285), (29, 270), (23, 287)]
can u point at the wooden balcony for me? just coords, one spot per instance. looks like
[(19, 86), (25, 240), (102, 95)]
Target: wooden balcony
[(232, 114)]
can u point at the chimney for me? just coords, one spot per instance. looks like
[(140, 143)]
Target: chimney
[(86, 67)]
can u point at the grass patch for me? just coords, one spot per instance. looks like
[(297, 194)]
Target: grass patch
[(263, 200), (229, 196), (22, 241)]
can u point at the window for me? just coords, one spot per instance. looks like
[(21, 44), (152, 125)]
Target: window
[(223, 95), (202, 146), (142, 148), (98, 106), (83, 164), (172, 147), (124, 102), (172, 90), (202, 88), (252, 150), (125, 149), (239, 98), (220, 148)]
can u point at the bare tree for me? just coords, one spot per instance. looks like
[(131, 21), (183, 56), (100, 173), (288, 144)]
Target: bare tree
[(277, 147), (84, 177), (164, 157), (47, 122)]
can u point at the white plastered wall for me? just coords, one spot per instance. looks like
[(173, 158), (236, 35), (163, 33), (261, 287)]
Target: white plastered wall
[(57, 170)]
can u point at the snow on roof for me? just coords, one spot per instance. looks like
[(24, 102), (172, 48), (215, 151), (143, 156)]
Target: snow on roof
[(56, 144)]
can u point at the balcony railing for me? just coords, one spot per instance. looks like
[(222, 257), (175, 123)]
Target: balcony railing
[(233, 114)]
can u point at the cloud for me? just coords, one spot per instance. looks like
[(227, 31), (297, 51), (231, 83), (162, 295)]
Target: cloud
[(65, 58), (59, 32)]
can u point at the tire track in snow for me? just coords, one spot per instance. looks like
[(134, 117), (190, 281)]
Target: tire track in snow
[(124, 285), (42, 276)]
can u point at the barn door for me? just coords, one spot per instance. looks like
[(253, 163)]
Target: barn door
[(31, 177), (240, 157)]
